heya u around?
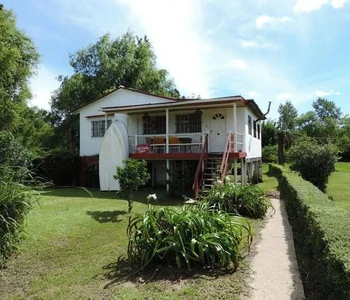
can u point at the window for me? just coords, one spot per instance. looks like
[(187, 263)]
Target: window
[(187, 123), (154, 124), (258, 129), (98, 128), (218, 117), (254, 128), (250, 125)]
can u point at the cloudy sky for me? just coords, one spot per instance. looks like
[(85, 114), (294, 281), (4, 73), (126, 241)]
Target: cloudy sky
[(269, 50)]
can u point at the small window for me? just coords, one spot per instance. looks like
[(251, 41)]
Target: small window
[(258, 129), (98, 128), (254, 128), (154, 124), (187, 123), (218, 117), (250, 125)]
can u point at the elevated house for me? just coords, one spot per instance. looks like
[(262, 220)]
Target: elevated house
[(207, 137)]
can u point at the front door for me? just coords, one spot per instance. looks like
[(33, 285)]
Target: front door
[(217, 132)]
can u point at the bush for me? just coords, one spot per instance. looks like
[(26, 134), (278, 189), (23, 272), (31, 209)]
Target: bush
[(188, 236), (321, 235), (14, 156), (15, 203), (245, 200), (60, 166), (133, 175), (270, 154), (314, 162)]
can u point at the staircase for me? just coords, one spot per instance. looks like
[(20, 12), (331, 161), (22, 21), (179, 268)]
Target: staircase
[(211, 173)]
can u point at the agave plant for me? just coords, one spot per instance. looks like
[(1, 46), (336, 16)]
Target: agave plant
[(245, 200), (188, 236)]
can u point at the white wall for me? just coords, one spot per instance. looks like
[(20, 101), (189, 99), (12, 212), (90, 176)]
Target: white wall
[(252, 144), (91, 145)]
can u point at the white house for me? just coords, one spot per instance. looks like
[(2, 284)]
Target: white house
[(169, 132)]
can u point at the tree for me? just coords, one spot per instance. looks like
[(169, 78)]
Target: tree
[(286, 127), (18, 60), (102, 67), (313, 161), (133, 175), (269, 133)]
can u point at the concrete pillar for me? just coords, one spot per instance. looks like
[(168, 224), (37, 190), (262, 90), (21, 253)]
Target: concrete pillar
[(167, 130), (235, 170), (167, 175)]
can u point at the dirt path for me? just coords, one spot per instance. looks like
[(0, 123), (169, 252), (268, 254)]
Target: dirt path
[(275, 271)]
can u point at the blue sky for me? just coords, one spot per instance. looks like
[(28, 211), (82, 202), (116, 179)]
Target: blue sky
[(269, 50)]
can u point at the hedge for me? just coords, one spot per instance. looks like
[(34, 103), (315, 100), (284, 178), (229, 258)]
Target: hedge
[(321, 235)]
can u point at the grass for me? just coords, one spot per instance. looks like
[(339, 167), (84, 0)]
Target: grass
[(269, 183), (71, 251), (339, 185)]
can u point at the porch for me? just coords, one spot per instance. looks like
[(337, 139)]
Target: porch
[(181, 146)]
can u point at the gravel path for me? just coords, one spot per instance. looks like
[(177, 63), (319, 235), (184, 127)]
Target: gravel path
[(275, 270)]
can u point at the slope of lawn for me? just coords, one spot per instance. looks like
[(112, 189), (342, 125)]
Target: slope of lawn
[(269, 183), (72, 247), (339, 185)]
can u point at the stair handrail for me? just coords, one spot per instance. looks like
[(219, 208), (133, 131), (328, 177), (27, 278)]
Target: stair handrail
[(200, 168), (224, 161)]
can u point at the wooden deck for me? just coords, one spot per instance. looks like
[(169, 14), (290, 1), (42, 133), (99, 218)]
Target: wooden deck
[(181, 156)]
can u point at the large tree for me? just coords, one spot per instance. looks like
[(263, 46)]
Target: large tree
[(18, 60), (286, 127), (101, 67)]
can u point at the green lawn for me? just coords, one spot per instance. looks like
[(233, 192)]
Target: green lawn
[(72, 247), (269, 183), (339, 185)]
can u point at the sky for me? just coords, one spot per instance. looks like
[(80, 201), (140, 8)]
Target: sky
[(268, 50)]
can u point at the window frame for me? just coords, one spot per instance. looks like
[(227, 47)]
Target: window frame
[(98, 128), (250, 125), (188, 122)]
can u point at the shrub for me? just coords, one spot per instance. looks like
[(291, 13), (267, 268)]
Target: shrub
[(15, 203), (133, 175), (321, 235), (60, 166), (314, 162), (188, 236), (246, 200), (270, 154)]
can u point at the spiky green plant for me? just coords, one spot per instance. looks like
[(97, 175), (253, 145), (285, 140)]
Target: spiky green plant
[(188, 236), (15, 203), (245, 200)]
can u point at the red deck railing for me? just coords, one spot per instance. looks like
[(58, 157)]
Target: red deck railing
[(201, 167), (225, 157)]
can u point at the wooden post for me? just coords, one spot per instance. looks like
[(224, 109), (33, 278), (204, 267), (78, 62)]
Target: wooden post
[(167, 175), (167, 129), (235, 127), (235, 171)]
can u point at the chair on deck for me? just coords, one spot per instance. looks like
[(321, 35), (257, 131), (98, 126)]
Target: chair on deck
[(158, 144), (174, 144)]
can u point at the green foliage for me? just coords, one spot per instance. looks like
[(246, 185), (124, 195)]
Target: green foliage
[(322, 237), (181, 177), (102, 67), (18, 59), (15, 203), (313, 161), (269, 154), (59, 166), (188, 236), (13, 156), (131, 177), (246, 200), (269, 133)]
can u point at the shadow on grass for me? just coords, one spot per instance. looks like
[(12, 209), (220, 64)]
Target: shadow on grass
[(125, 270), (107, 216), (139, 196)]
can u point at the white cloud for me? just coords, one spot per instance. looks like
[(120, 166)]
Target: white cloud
[(257, 44), (338, 3), (284, 96), (310, 5), (265, 21), (326, 93), (42, 85), (172, 26), (253, 94), (238, 64)]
